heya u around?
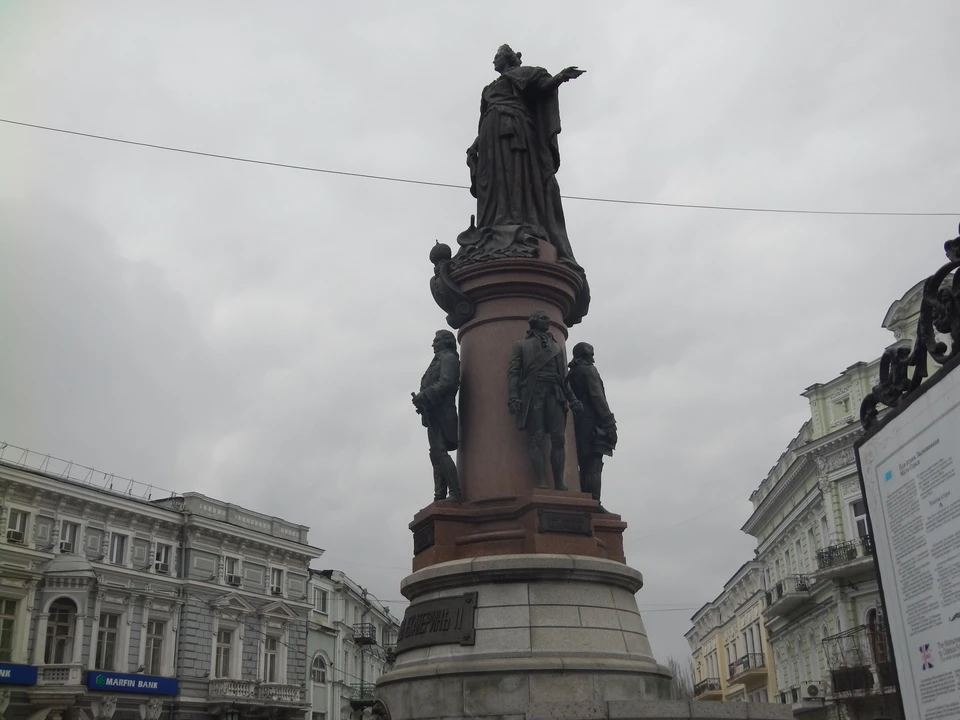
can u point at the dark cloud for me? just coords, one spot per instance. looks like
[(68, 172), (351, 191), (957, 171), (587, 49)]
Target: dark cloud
[(254, 333)]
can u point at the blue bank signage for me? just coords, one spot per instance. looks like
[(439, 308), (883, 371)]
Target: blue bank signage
[(143, 684), (18, 674)]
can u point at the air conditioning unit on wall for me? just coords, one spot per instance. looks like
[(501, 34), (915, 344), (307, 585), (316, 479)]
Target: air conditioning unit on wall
[(15, 536), (811, 691)]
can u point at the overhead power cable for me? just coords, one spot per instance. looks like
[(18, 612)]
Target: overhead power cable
[(410, 181)]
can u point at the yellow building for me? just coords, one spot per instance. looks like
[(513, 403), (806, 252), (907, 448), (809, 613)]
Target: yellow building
[(728, 640)]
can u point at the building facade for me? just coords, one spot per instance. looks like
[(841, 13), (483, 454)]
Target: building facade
[(351, 642), (729, 643), (829, 655), (113, 605)]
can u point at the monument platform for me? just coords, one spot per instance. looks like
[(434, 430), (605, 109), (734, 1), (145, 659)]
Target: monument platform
[(545, 628), (543, 521)]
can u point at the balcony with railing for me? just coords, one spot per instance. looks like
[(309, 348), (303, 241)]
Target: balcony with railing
[(251, 691), (709, 689), (789, 593), (365, 634), (860, 662), (846, 558), (362, 695), (749, 671)]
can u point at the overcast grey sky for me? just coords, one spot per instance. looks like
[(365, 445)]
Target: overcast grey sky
[(254, 333)]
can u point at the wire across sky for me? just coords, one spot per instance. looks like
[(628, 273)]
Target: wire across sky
[(411, 181)]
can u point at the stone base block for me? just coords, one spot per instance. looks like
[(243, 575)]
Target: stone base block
[(545, 521), (550, 632)]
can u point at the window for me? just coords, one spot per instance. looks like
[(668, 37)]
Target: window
[(320, 599), (824, 532), (154, 661), (8, 615), (786, 561), (107, 642), (859, 510), (163, 559), (231, 567), (68, 536), (319, 671), (17, 526), (59, 642), (798, 553), (276, 581), (224, 648), (270, 660), (811, 549), (118, 549)]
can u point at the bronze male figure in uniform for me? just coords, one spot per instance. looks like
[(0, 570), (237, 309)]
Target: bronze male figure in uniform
[(595, 425), (538, 395), (437, 406)]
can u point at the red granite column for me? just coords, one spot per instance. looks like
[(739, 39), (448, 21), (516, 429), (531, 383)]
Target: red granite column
[(493, 460)]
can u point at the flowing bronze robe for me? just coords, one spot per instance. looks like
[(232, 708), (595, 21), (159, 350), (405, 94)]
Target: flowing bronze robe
[(514, 161)]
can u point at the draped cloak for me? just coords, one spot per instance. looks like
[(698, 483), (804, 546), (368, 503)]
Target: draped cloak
[(513, 166)]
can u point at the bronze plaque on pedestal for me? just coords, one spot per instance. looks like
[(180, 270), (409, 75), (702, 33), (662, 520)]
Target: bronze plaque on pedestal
[(565, 522), (422, 539), (438, 622)]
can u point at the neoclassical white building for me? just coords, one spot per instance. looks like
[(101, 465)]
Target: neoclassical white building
[(351, 642), (821, 606), (115, 605)]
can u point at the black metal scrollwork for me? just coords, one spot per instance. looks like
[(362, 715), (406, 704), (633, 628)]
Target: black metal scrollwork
[(939, 313)]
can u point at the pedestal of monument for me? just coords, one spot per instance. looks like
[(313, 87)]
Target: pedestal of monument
[(521, 596)]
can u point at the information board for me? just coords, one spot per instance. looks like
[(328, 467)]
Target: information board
[(909, 470)]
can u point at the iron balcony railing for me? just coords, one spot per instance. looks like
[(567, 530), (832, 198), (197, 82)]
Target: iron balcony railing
[(751, 661), (362, 691), (365, 634), (790, 585), (706, 686), (845, 552), (859, 659)]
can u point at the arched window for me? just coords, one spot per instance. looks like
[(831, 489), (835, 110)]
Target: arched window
[(319, 671), (61, 624)]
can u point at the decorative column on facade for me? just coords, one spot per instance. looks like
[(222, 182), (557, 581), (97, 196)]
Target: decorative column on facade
[(4, 512), (95, 628), (144, 620), (173, 632), (21, 641), (37, 496), (827, 492), (237, 662), (79, 630), (4, 702), (262, 636), (215, 626), (284, 651)]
